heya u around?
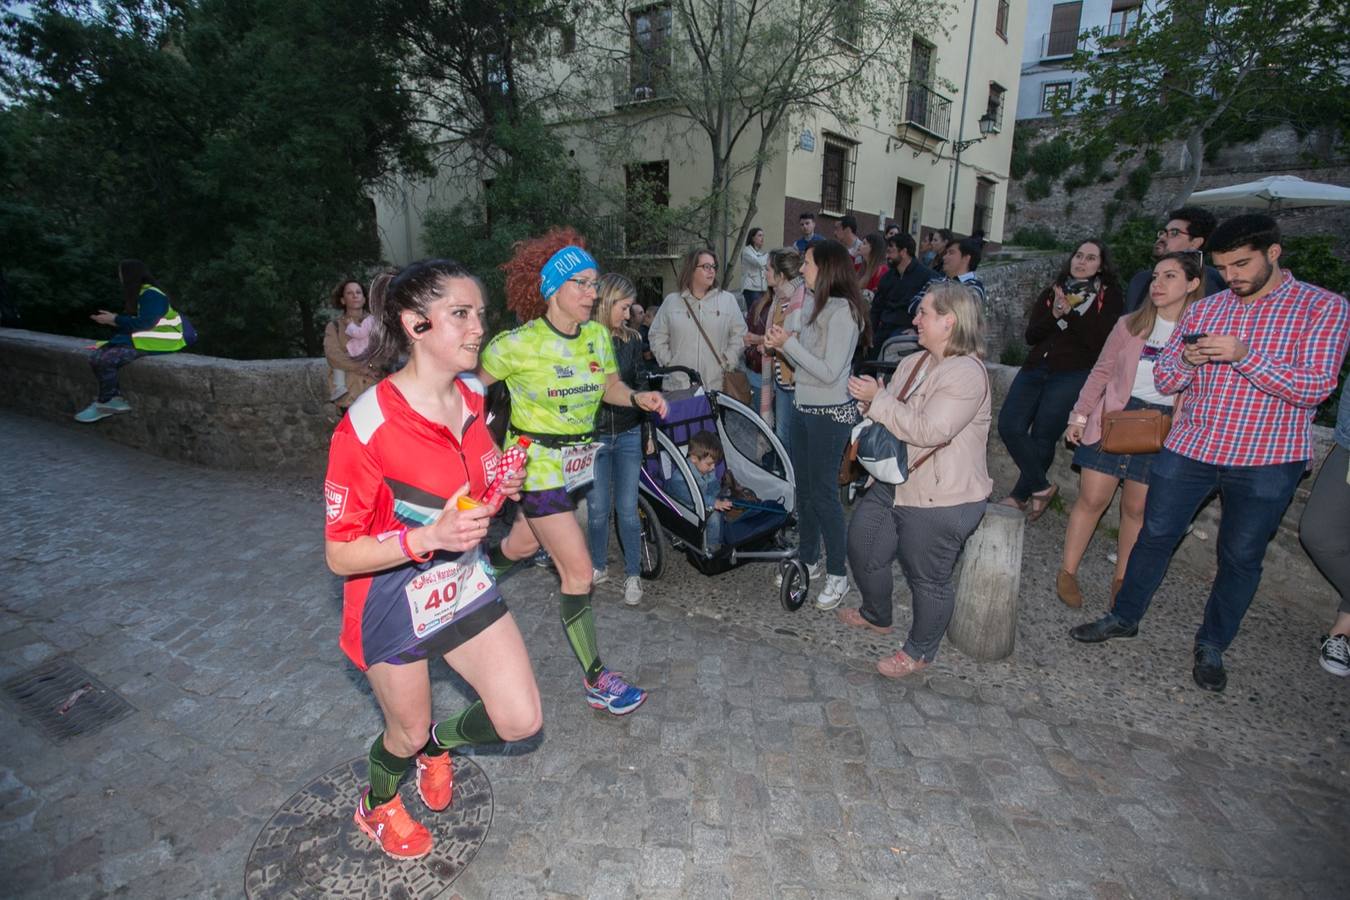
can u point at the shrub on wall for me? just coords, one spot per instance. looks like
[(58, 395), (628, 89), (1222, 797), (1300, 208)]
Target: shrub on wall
[(1019, 164), (1037, 236), (1052, 158), (1038, 188)]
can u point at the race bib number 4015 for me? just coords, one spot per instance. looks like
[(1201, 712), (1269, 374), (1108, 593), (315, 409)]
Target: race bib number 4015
[(434, 596)]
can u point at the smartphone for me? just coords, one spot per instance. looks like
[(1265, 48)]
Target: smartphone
[(1192, 338)]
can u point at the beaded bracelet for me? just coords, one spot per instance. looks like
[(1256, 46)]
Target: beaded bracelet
[(407, 551)]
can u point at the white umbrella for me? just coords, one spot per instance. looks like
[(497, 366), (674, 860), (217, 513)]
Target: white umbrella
[(1275, 192)]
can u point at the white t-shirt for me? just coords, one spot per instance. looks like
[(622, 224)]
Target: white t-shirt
[(1144, 388)]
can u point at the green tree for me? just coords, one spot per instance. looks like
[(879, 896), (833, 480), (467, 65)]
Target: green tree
[(731, 75), (1210, 72), (232, 144)]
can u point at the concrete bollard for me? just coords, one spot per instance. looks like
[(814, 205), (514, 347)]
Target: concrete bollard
[(984, 623)]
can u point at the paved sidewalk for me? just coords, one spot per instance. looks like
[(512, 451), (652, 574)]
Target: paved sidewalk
[(770, 761)]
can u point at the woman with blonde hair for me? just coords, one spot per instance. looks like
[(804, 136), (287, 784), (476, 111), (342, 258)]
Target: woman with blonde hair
[(701, 326), (937, 403), (619, 433), (1123, 379)]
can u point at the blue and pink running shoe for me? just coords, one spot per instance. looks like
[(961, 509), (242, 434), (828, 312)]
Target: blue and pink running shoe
[(611, 692)]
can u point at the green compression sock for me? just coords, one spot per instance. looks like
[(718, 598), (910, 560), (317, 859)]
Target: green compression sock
[(499, 561), (386, 771), (469, 727), (579, 623)]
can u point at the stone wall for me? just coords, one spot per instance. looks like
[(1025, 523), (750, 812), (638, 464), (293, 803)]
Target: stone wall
[(1280, 151), (1290, 577), (275, 415), (265, 414), (1010, 289)]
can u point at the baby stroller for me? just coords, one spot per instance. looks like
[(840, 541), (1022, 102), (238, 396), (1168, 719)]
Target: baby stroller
[(753, 528)]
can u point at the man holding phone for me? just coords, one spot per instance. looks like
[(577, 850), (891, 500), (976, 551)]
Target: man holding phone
[(1255, 361)]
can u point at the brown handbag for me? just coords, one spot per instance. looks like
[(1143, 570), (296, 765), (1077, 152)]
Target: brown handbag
[(735, 383), (1135, 430)]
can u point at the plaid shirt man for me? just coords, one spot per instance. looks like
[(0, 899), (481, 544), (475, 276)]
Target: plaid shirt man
[(1256, 411)]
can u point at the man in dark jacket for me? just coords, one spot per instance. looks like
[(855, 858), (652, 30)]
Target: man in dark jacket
[(901, 285), (1187, 229)]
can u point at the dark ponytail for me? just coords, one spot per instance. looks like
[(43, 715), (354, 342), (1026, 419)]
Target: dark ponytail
[(133, 273), (412, 288)]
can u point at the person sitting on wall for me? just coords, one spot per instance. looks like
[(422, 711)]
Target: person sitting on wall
[(959, 262), (148, 324), (1186, 229)]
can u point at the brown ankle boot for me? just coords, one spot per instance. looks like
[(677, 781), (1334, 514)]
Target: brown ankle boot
[(1066, 586)]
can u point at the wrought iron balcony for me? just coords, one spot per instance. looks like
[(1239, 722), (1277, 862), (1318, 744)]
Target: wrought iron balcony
[(925, 116)]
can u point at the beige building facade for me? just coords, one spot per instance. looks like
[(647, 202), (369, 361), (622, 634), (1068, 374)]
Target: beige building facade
[(927, 162)]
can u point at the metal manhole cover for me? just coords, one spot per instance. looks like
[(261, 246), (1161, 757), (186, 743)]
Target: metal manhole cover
[(65, 700), (312, 847)]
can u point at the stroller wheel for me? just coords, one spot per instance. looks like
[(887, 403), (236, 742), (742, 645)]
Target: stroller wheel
[(796, 583), (651, 551)]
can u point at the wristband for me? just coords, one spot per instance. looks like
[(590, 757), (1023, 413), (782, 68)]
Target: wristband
[(407, 551), (632, 399)]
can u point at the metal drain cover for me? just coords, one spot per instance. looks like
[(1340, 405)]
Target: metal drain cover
[(311, 847), (65, 700)]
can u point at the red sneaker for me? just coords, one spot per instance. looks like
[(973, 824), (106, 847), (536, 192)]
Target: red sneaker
[(389, 825), (435, 780)]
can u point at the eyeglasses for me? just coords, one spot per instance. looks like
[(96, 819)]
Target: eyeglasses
[(707, 267), (1172, 232), (586, 284)]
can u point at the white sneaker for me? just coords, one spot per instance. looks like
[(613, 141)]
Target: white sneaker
[(599, 576), (632, 590), (836, 586), (813, 571)]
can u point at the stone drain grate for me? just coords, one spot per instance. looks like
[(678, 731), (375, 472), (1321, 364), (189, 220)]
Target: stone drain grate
[(65, 700)]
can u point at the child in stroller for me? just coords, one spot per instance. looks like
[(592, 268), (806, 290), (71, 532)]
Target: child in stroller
[(705, 452)]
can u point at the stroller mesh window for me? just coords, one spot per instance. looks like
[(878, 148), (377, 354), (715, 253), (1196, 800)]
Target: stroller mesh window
[(750, 441)]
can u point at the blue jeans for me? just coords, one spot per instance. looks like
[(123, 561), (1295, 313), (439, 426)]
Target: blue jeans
[(1254, 500), (784, 411), (617, 464), (818, 444), (1032, 420)]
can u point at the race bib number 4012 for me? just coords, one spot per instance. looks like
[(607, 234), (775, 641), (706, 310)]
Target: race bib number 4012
[(434, 596)]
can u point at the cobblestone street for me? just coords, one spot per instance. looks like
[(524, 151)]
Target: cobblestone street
[(770, 761)]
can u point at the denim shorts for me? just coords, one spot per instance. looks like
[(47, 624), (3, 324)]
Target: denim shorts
[(1129, 466)]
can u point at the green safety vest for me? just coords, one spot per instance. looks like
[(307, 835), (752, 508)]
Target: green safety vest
[(164, 336)]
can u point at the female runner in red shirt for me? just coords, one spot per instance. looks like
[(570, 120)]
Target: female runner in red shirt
[(417, 585)]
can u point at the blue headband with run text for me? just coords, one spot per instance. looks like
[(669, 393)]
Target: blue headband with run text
[(562, 266)]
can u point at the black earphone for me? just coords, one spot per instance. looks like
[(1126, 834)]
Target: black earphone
[(422, 327)]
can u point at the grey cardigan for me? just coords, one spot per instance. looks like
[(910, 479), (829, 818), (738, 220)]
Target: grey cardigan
[(823, 353)]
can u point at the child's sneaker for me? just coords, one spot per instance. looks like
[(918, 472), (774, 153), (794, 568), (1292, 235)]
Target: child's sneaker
[(836, 586), (389, 825), (611, 692), (632, 590)]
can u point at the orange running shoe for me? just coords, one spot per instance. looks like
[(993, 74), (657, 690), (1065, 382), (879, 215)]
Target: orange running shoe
[(389, 825), (435, 780)]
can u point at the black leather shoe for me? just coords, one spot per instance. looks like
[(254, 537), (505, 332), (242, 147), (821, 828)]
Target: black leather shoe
[(1208, 671), (1107, 627)]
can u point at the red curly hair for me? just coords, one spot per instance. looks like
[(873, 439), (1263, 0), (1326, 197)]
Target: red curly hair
[(523, 294)]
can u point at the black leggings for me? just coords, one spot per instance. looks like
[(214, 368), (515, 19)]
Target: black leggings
[(1325, 526)]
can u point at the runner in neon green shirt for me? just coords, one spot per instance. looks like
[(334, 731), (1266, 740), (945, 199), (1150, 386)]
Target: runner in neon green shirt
[(557, 383), (560, 367)]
